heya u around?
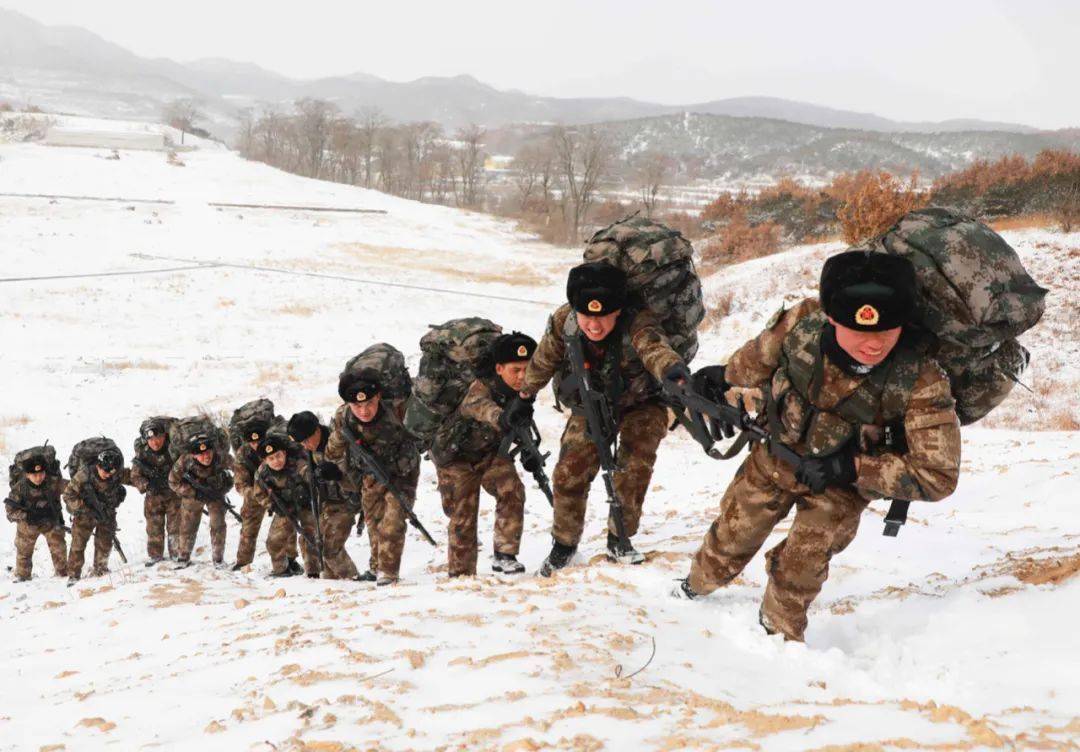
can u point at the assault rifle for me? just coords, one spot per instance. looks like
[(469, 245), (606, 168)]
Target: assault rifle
[(283, 510), (158, 479), (375, 470), (58, 516), (209, 494), (316, 508), (523, 441), (90, 498), (601, 429)]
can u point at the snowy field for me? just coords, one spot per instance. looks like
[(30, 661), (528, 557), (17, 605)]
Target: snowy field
[(959, 634)]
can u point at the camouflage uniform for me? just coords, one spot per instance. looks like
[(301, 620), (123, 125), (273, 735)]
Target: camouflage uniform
[(627, 367), (337, 519), (246, 463), (765, 490), (466, 457), (42, 517), (398, 452), (216, 478), (161, 507), (110, 494), (291, 486)]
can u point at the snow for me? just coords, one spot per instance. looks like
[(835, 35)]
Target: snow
[(959, 633)]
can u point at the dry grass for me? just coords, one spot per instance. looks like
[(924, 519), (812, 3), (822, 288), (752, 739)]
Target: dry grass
[(1024, 222), (295, 309), (141, 365), (15, 420), (275, 375), (226, 303), (449, 263)]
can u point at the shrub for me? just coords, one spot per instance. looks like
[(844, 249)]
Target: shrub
[(872, 202), (740, 241)]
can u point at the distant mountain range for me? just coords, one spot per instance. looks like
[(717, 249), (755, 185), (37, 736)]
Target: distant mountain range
[(72, 69)]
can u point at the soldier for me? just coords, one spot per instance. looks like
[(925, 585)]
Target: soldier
[(847, 386), (99, 483), (34, 507), (337, 507), (466, 455), (283, 486), (626, 353), (150, 475), (245, 463), (205, 466), (366, 418)]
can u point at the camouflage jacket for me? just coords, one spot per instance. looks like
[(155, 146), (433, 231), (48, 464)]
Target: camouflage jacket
[(150, 469), (214, 476), (42, 503), (472, 432), (110, 493), (291, 485), (627, 366), (394, 448), (923, 465), (330, 492), (245, 464)]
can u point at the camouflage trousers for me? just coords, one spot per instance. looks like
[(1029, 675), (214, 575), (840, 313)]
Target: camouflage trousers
[(82, 527), (640, 433), (191, 511), (26, 535), (386, 523), (761, 495), (459, 487), (251, 518), (162, 513), (282, 535), (337, 522)]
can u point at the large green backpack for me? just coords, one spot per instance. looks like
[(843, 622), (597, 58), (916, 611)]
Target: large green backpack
[(86, 453), (48, 452), (261, 410), (384, 364), (659, 265), (182, 431), (453, 354), (975, 297)]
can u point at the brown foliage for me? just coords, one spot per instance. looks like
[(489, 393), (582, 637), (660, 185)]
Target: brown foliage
[(725, 207), (740, 241), (872, 202)]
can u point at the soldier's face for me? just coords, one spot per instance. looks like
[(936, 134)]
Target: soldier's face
[(311, 443), (36, 478), (205, 458), (253, 444), (156, 443), (869, 348), (365, 411), (276, 461), (103, 473), (512, 374), (597, 328)]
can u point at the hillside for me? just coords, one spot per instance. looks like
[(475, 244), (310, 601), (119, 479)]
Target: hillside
[(957, 634)]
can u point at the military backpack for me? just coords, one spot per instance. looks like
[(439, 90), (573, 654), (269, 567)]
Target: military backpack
[(258, 410), (86, 453), (384, 364), (183, 430), (47, 452)]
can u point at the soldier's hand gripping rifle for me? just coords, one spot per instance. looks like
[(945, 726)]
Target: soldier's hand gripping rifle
[(523, 441), (209, 494), (372, 467), (93, 503), (601, 430), (316, 508), (158, 479), (58, 516), (282, 509)]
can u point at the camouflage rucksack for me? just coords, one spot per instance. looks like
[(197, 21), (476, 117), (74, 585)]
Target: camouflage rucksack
[(453, 352), (86, 453), (261, 410), (385, 364), (659, 265), (182, 431), (975, 296), (52, 465)]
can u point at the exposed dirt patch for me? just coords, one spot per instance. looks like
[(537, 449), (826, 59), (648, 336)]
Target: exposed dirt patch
[(184, 592)]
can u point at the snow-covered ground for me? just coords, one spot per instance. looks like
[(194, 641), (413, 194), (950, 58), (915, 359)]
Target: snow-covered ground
[(958, 634)]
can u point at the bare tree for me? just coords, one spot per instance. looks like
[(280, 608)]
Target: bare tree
[(370, 121), (246, 137), (1067, 210), (652, 172), (182, 114), (314, 120), (582, 158), (470, 164)]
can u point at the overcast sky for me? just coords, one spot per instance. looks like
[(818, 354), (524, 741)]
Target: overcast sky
[(1015, 61)]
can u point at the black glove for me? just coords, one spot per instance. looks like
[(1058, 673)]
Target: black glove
[(328, 471), (710, 383), (121, 494), (678, 372), (836, 469), (518, 413)]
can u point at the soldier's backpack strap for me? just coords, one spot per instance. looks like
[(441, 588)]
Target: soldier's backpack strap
[(894, 401)]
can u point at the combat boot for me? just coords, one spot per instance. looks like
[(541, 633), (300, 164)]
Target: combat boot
[(559, 557), (385, 579), (506, 564), (182, 563), (683, 591), (367, 576), (294, 567), (152, 561), (620, 555)]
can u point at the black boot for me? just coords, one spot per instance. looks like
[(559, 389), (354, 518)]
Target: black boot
[(367, 576), (622, 555), (683, 591), (294, 567), (559, 557)]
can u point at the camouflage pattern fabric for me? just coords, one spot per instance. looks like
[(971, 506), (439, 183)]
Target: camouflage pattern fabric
[(39, 519), (86, 452), (26, 535), (386, 364), (471, 433), (337, 522), (386, 523), (659, 266), (162, 514), (82, 527), (47, 452), (260, 410), (183, 430), (282, 534), (217, 479)]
